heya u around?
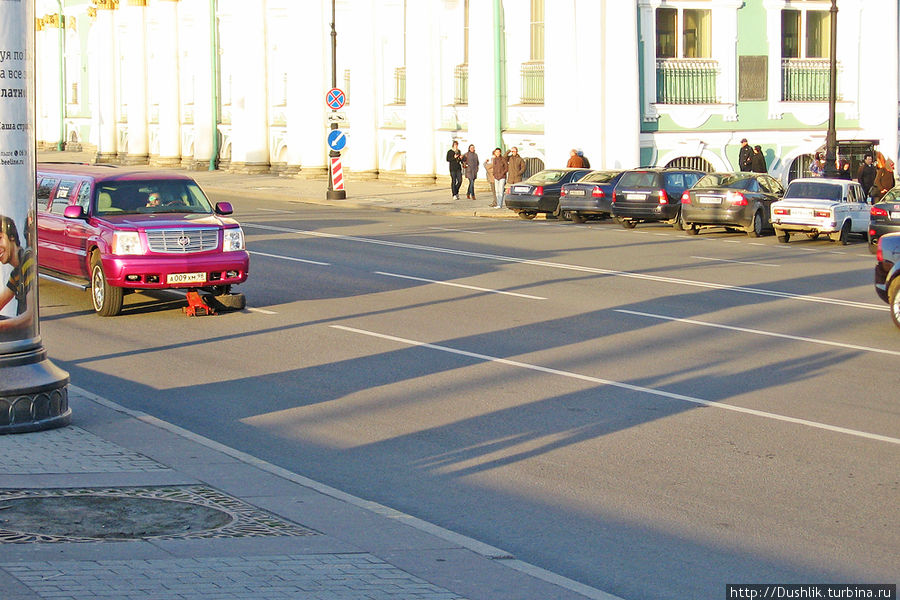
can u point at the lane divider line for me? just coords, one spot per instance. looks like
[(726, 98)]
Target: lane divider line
[(627, 386), (303, 260), (459, 285), (577, 268), (739, 262), (758, 332)]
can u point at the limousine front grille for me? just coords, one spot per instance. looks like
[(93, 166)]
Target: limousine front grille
[(182, 241)]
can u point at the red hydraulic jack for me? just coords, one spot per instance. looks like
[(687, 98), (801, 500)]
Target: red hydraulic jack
[(196, 306)]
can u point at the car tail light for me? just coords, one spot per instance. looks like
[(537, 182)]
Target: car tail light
[(686, 197), (539, 190), (737, 199), (597, 192), (872, 233), (663, 197), (613, 197), (562, 192), (822, 214), (879, 255), (781, 211), (878, 212)]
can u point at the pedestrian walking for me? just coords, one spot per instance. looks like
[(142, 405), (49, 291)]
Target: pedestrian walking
[(575, 161), (817, 166), (884, 179), (470, 164), (866, 174), (745, 156), (489, 175), (758, 161), (454, 158), (517, 166), (499, 170)]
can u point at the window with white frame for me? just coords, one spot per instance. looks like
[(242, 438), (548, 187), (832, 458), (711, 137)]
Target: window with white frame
[(683, 32), (805, 51), (685, 74)]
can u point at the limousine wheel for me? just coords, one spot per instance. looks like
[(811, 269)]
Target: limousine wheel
[(107, 299)]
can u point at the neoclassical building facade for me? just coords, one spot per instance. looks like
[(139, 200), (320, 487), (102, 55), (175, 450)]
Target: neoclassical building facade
[(241, 85)]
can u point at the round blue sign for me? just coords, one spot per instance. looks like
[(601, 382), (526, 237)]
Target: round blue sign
[(337, 139)]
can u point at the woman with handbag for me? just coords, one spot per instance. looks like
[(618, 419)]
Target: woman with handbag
[(884, 179)]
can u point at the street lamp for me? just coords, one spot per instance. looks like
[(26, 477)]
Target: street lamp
[(831, 169)]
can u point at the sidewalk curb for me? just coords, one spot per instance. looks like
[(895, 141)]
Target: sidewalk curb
[(473, 545)]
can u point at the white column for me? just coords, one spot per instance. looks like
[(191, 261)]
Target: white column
[(105, 100), (564, 125), (621, 130), (482, 118), (878, 67), (47, 66), (135, 74), (199, 59), (165, 50), (421, 77), (308, 82), (250, 131), (362, 110)]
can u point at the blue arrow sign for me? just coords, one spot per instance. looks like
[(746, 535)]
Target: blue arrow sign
[(337, 139)]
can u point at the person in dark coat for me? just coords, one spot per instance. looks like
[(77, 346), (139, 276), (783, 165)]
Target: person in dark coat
[(758, 161), (866, 174), (745, 156), (454, 157), (884, 179), (471, 164), (517, 166)]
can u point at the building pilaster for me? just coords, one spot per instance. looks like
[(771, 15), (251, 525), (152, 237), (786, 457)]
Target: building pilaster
[(135, 75), (168, 81)]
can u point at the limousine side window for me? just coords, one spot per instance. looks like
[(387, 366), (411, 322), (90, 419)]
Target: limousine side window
[(84, 196), (43, 192), (63, 197)]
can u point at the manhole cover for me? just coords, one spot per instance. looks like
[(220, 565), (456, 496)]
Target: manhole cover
[(91, 514), (108, 517)]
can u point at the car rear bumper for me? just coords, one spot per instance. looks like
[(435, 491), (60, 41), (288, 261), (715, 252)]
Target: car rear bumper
[(876, 230), (701, 216), (528, 202), (586, 205), (152, 272), (649, 212)]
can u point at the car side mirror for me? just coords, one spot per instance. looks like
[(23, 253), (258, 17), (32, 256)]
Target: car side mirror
[(73, 212), (224, 208)]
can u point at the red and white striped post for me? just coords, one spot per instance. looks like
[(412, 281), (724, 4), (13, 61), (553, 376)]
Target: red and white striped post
[(337, 174)]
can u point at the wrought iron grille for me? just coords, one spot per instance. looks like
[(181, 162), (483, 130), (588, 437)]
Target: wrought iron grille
[(805, 79), (686, 81), (533, 82), (461, 87)]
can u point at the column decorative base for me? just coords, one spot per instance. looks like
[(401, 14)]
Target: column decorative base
[(248, 168), (106, 158), (33, 393), (167, 162), (135, 159)]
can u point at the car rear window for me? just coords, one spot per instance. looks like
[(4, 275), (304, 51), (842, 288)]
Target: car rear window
[(599, 177), (131, 197), (638, 179), (729, 180), (546, 177), (814, 190)]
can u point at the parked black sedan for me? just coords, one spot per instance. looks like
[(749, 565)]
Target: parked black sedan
[(647, 195), (731, 200), (590, 197), (884, 217), (887, 273), (540, 192)]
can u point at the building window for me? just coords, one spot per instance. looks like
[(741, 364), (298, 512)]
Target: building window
[(805, 51), (532, 73), (684, 72)]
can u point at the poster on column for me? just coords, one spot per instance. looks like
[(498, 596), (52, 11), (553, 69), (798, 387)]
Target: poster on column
[(18, 251)]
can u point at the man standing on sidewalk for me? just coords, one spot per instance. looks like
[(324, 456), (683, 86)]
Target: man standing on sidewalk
[(516, 166), (499, 170), (454, 157)]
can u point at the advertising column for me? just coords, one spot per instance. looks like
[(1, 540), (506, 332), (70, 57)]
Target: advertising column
[(33, 392)]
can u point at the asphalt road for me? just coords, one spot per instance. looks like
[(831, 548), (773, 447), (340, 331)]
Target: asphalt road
[(651, 414)]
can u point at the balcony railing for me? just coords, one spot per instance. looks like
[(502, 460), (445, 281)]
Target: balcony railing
[(686, 81), (805, 79), (461, 84), (533, 82), (400, 85)]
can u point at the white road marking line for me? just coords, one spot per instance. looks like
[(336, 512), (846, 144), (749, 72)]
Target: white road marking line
[(262, 310), (759, 332), (459, 285), (303, 260), (732, 241), (275, 210), (740, 262), (457, 230), (577, 268), (628, 386)]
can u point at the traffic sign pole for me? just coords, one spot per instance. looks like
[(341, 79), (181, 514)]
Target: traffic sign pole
[(335, 100)]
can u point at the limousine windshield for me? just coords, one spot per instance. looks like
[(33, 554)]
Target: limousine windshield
[(151, 196)]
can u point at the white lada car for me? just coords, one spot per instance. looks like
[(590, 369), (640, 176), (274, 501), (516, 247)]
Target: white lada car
[(817, 206)]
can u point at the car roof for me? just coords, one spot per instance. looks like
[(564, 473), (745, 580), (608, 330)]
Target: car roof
[(108, 172), (840, 182)]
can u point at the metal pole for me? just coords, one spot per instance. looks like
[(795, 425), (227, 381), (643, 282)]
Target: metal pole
[(61, 144), (333, 194), (831, 168), (215, 75)]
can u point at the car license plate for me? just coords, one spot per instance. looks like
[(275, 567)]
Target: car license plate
[(172, 278), (576, 192), (640, 197), (801, 212), (710, 200), (521, 189), (895, 215)]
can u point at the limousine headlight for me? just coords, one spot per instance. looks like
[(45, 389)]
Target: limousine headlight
[(126, 242), (233, 239)]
